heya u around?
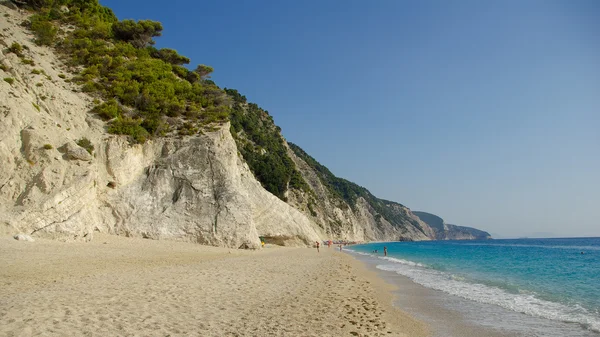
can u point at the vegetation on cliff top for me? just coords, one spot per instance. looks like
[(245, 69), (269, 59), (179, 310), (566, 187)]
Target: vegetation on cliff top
[(260, 142), (149, 92)]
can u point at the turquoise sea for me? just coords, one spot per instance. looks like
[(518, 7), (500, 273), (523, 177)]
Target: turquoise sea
[(552, 280)]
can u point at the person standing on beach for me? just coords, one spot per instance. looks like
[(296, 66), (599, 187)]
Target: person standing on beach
[(318, 244), (384, 251)]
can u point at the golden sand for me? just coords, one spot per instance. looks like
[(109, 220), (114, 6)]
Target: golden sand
[(116, 286)]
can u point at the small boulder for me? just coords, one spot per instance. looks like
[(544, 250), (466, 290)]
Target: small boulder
[(76, 152), (23, 237)]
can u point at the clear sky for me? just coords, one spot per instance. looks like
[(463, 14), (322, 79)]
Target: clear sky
[(486, 113)]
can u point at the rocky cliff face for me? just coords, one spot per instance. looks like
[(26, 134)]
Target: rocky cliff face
[(353, 220), (444, 231), (194, 188), (63, 176)]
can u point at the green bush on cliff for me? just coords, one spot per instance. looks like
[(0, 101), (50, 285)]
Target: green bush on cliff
[(169, 55), (119, 63), (44, 31), (139, 33), (86, 144), (108, 110), (16, 49), (262, 147), (131, 127)]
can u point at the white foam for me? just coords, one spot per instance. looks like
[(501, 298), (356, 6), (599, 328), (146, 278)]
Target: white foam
[(359, 253), (525, 303), (402, 261)]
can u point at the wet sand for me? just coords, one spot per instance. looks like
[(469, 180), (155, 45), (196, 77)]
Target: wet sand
[(115, 286), (451, 316)]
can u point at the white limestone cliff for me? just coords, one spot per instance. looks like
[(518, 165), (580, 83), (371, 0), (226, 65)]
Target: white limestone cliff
[(188, 188), (194, 188)]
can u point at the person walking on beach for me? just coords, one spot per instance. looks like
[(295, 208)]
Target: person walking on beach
[(318, 244), (384, 251)]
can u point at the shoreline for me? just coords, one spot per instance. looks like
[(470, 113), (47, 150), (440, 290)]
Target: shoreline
[(130, 286), (427, 305), (386, 294), (452, 316)]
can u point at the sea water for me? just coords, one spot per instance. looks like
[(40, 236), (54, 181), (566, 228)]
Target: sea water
[(551, 280)]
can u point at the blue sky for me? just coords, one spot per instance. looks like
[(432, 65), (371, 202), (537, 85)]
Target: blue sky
[(486, 113)]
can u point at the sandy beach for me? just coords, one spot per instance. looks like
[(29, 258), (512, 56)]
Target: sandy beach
[(115, 286)]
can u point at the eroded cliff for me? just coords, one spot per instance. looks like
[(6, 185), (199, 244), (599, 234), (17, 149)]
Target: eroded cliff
[(64, 176), (193, 188)]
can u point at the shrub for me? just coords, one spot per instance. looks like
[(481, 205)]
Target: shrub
[(203, 71), (170, 56), (262, 147), (89, 86), (3, 67), (48, 147), (188, 129), (9, 80), (37, 107), (28, 62), (130, 127), (155, 126), (108, 110), (180, 71), (37, 71), (192, 77), (86, 144), (139, 34), (44, 31), (16, 49), (63, 76)]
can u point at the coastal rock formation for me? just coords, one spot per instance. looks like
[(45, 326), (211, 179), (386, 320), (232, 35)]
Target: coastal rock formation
[(444, 231), (194, 188), (75, 152), (65, 177), (358, 220)]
